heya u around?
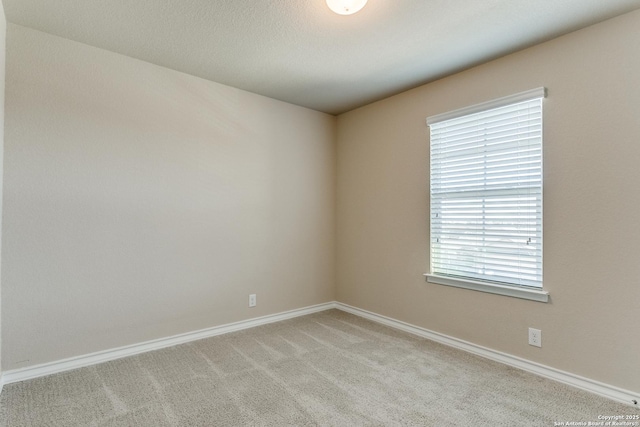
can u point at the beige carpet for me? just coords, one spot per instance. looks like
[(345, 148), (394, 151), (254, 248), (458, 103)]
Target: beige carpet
[(328, 369)]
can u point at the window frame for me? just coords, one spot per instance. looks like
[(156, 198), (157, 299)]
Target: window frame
[(511, 290)]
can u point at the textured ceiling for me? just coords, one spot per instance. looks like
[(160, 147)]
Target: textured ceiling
[(300, 52)]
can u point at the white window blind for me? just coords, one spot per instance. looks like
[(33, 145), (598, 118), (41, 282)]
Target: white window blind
[(486, 192)]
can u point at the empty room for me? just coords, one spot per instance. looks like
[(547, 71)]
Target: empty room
[(320, 213)]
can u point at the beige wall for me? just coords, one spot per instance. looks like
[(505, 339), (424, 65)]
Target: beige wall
[(142, 203), (591, 205), (3, 36)]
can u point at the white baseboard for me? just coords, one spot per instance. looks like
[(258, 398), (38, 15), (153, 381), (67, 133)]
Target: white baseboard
[(605, 390), (30, 372)]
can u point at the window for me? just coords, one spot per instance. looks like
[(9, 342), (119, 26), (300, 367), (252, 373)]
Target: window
[(486, 197)]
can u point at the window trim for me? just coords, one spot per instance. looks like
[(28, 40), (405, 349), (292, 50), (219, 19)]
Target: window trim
[(527, 95), (523, 292), (492, 288)]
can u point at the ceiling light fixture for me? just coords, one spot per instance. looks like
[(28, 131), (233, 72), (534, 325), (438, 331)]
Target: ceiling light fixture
[(346, 7)]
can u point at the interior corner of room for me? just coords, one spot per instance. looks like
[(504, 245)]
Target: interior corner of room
[(141, 204)]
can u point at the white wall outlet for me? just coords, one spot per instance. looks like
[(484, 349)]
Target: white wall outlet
[(252, 300), (535, 337)]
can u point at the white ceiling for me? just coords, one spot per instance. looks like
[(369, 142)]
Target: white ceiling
[(300, 52)]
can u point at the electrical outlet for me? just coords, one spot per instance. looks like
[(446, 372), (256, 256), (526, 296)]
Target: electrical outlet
[(252, 300), (535, 337)]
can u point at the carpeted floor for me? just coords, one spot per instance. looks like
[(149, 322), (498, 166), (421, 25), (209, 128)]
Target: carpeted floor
[(327, 369)]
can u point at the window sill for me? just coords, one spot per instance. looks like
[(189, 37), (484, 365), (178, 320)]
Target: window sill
[(492, 288)]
